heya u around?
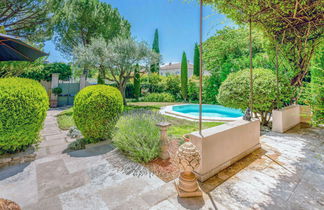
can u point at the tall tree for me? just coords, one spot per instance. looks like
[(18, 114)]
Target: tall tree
[(137, 82), (115, 60), (155, 68), (26, 18), (184, 76), (77, 21), (196, 61)]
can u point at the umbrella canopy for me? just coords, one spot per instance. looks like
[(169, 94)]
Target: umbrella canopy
[(13, 49)]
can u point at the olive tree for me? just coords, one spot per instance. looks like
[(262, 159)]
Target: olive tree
[(115, 60), (234, 92)]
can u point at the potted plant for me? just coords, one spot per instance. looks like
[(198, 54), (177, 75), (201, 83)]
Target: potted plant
[(55, 91)]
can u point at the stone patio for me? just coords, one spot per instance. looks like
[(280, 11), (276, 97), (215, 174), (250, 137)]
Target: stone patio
[(287, 173)]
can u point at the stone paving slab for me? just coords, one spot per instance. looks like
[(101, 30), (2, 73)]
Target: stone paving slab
[(287, 173)]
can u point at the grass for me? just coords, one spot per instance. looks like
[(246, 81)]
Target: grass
[(179, 127), (65, 119)]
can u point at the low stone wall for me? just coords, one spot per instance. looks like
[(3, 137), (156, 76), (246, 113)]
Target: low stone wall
[(21, 157), (290, 116), (223, 145)]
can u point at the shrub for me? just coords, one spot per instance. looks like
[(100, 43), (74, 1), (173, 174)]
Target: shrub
[(138, 136), (96, 111), (46, 73), (172, 85), (57, 91), (159, 97), (153, 82), (23, 106), (211, 85), (193, 90), (235, 91)]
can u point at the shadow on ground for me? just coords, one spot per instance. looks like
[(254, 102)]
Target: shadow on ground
[(93, 151), (9, 171)]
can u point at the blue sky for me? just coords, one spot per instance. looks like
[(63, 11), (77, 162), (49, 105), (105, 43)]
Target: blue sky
[(177, 22)]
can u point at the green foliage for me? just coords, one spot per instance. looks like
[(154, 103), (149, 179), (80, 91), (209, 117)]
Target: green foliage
[(313, 93), (196, 67), (17, 68), (184, 77), (138, 136), (27, 18), (78, 21), (23, 106), (172, 86), (155, 68), (65, 119), (115, 60), (211, 85), (153, 82), (227, 51), (234, 92), (193, 89), (297, 37), (159, 97), (96, 111), (137, 83), (57, 91), (46, 73)]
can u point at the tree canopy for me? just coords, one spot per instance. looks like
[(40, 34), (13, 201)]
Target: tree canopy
[(294, 25), (26, 18), (196, 67), (155, 47), (115, 60), (184, 76), (78, 21)]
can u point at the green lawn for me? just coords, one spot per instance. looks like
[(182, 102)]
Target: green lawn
[(65, 119), (177, 130), (181, 127)]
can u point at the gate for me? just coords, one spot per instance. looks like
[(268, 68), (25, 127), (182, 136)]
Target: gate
[(69, 90)]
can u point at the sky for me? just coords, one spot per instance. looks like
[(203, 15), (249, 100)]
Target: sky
[(176, 21)]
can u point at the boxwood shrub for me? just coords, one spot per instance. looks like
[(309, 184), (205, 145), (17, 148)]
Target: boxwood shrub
[(23, 106), (159, 97), (96, 111)]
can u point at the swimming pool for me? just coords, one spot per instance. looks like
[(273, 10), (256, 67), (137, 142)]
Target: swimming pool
[(209, 112)]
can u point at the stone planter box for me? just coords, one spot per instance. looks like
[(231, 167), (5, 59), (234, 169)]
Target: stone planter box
[(223, 145), (290, 116)]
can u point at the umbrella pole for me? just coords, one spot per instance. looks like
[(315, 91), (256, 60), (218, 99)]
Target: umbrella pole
[(200, 68)]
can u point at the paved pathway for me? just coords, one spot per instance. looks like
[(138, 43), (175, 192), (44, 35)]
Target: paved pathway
[(287, 173)]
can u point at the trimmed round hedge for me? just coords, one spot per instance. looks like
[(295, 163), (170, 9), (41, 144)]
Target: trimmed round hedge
[(96, 111), (23, 106)]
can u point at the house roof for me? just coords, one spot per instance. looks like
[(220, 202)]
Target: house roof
[(173, 66)]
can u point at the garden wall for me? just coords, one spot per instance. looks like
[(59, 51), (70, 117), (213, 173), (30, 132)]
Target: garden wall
[(223, 145)]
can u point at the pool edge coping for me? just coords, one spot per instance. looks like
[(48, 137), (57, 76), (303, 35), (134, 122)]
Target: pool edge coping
[(167, 110)]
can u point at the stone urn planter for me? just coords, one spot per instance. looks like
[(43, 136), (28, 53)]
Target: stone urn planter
[(8, 205), (188, 159)]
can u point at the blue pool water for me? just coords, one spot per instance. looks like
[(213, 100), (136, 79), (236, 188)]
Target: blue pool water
[(208, 110)]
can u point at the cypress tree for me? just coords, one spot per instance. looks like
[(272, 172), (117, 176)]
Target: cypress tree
[(196, 61), (137, 82), (184, 76), (155, 68)]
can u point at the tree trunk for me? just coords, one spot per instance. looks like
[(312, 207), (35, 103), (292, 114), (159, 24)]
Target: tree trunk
[(122, 89)]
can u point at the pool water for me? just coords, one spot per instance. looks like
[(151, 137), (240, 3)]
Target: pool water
[(208, 110)]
